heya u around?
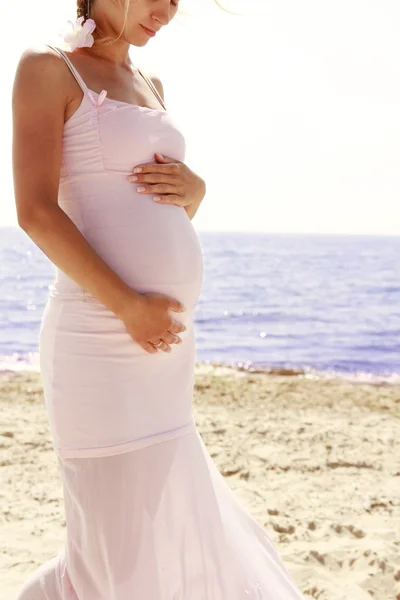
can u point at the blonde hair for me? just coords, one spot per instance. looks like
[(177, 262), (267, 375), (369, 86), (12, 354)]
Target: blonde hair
[(83, 10)]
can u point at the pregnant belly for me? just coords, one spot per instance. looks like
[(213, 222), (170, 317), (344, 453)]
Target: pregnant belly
[(148, 245)]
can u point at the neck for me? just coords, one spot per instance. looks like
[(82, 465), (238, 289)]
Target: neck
[(115, 52)]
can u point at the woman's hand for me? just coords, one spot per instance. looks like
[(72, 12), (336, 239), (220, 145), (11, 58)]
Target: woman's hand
[(148, 321), (170, 181)]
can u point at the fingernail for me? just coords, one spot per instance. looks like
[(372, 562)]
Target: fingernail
[(137, 170), (133, 178), (157, 198), (141, 189)]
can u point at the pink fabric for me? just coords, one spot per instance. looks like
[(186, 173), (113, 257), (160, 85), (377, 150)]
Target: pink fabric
[(148, 514), (105, 394), (159, 523)]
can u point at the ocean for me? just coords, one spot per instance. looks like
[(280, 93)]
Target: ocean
[(324, 306)]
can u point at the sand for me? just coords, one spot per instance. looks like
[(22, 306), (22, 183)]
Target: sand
[(317, 462)]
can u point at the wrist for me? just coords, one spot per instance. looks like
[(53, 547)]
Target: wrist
[(126, 300)]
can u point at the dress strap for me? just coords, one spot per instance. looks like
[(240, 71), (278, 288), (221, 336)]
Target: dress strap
[(85, 87), (71, 67), (153, 88)]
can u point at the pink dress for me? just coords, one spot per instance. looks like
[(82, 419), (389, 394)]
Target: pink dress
[(148, 514)]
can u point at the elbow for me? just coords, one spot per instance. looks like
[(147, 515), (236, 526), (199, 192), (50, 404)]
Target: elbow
[(26, 219), (34, 218), (23, 220)]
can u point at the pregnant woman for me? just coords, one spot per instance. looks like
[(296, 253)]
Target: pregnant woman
[(148, 515)]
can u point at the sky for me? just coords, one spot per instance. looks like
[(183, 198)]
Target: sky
[(290, 111)]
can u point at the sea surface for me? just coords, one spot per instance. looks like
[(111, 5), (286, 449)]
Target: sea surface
[(320, 305)]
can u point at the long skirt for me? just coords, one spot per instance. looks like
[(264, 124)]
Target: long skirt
[(158, 523)]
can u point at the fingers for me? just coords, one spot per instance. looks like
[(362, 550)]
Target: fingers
[(161, 188), (171, 199), (151, 349), (171, 338), (177, 327), (169, 335), (154, 178), (176, 306), (148, 347), (171, 168), (163, 346), (167, 159), (167, 339)]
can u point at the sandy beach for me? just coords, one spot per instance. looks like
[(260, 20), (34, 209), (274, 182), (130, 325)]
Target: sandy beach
[(315, 461)]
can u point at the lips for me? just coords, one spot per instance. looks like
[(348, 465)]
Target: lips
[(148, 31)]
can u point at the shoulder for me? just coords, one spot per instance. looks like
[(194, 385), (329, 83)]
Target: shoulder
[(40, 75), (41, 60), (157, 84), (36, 68)]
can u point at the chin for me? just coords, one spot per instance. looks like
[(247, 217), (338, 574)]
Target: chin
[(138, 43), (136, 40)]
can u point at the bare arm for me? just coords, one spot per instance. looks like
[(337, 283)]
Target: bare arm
[(41, 94)]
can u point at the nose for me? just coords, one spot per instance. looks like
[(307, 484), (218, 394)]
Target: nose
[(161, 13)]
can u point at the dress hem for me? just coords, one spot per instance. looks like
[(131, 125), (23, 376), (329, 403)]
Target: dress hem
[(126, 446)]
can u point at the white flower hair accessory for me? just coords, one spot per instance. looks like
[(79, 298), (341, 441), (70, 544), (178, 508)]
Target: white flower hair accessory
[(78, 34)]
